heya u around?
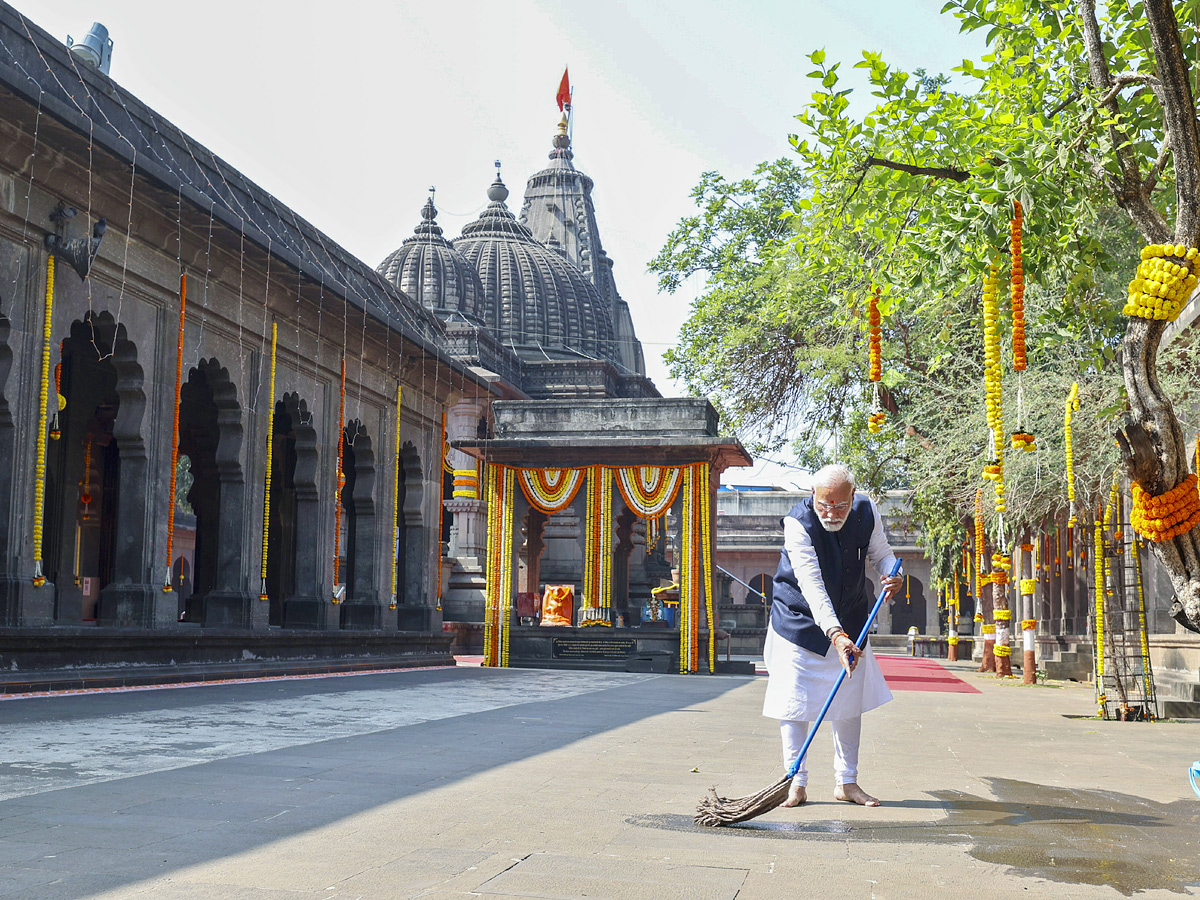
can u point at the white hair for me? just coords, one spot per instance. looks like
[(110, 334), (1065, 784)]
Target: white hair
[(832, 476)]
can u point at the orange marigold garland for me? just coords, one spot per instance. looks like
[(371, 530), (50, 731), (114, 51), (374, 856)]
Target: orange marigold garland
[(339, 482), (167, 588), (1167, 515), (1017, 289), (876, 418)]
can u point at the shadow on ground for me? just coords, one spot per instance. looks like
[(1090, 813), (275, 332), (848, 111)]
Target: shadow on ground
[(1059, 834)]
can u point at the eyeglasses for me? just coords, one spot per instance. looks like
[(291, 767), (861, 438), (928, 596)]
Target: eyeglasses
[(831, 507)]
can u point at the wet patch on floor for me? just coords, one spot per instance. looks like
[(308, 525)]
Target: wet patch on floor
[(1059, 834)]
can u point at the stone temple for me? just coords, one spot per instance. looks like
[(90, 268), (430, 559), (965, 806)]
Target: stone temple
[(227, 444)]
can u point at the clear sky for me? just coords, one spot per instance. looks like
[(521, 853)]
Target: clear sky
[(350, 111)]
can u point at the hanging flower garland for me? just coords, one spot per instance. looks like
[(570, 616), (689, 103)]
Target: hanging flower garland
[(1160, 288), (339, 482), (979, 538), (396, 511), (55, 431), (441, 503), (39, 483), (1098, 567), (1071, 408), (167, 589), (992, 380), (598, 545), (499, 485), (1167, 515), (1137, 566), (266, 529), (551, 490), (876, 419), (703, 478), (1017, 288), (648, 491)]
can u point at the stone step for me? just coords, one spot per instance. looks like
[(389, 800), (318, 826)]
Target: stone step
[(1180, 709)]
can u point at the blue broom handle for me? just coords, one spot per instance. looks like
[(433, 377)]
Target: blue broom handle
[(859, 644)]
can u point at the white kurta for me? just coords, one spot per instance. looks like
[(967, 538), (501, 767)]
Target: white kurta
[(800, 681)]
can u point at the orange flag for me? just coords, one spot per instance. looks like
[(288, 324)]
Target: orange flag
[(564, 92)]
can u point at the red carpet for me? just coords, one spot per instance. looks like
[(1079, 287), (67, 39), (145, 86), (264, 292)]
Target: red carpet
[(907, 673)]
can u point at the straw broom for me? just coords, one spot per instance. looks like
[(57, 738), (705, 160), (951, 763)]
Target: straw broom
[(715, 810)]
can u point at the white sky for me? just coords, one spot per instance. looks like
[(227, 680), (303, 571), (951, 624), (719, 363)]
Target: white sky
[(349, 111)]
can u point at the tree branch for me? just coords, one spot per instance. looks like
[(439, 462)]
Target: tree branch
[(953, 174), (1120, 82), (1130, 194)]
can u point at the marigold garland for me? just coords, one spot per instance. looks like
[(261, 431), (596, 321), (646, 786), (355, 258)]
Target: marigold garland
[(500, 484), (167, 588), (1028, 585), (992, 380), (396, 511), (1167, 515), (978, 539), (266, 529), (597, 555), (1029, 624), (1072, 407), (874, 322), (551, 490), (1160, 288), (648, 491), (1017, 288), (39, 482), (1098, 566), (1002, 650), (339, 483), (1002, 615), (988, 628), (1023, 440)]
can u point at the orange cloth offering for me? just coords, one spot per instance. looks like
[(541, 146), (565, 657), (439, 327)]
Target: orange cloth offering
[(558, 605)]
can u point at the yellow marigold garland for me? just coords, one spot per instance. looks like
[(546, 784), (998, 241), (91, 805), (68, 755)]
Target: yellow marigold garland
[(1029, 624), (978, 539), (1167, 515), (992, 380), (1160, 287), (39, 483), (1028, 585), (1072, 407), (339, 483), (1098, 567)]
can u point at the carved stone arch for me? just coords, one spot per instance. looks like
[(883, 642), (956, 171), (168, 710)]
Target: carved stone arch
[(362, 609), (126, 598), (295, 549), (9, 609), (211, 434)]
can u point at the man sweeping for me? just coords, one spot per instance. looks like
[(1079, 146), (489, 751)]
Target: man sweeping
[(821, 598)]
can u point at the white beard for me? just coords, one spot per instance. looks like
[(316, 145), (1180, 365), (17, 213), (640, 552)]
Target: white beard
[(832, 525)]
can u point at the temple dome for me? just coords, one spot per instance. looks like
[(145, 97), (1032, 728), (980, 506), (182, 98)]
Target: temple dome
[(535, 299), (427, 268)]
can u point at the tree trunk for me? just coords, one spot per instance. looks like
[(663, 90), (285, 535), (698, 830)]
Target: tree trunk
[(1152, 441)]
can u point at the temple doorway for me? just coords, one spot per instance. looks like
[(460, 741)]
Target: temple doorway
[(294, 508), (82, 474)]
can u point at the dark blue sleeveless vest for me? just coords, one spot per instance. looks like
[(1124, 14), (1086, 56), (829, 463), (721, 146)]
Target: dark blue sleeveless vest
[(843, 559)]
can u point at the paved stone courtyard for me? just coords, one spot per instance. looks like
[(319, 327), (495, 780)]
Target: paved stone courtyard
[(450, 783)]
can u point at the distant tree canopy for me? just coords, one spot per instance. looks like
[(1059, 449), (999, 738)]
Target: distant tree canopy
[(1089, 121)]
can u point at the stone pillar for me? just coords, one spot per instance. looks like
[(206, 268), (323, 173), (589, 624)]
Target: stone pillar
[(463, 599), (309, 606), (130, 600)]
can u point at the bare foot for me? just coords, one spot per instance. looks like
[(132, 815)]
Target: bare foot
[(797, 795), (852, 793)]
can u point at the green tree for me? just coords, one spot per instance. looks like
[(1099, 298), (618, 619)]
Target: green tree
[(1090, 122)]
